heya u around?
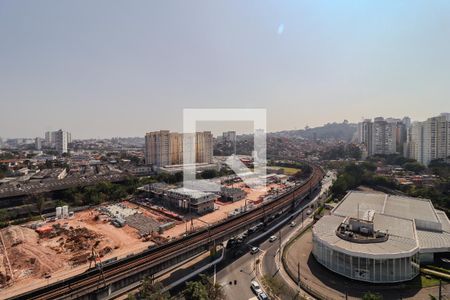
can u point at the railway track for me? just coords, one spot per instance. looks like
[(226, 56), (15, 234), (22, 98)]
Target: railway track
[(84, 283)]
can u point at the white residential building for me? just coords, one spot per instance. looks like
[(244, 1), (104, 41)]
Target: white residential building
[(430, 139), (61, 141), (37, 143), (382, 136)]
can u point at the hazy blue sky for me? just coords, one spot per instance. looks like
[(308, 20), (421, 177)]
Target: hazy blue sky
[(121, 68)]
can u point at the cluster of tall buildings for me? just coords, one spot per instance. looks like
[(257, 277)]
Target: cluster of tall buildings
[(58, 139), (422, 141), (384, 136), (164, 148), (430, 139)]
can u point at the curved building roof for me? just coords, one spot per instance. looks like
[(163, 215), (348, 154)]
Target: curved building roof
[(412, 225)]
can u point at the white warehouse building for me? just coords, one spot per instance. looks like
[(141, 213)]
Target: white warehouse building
[(380, 238)]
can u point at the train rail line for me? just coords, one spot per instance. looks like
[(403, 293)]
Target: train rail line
[(84, 283)]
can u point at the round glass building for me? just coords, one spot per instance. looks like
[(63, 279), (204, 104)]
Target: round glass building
[(371, 261), (380, 238)]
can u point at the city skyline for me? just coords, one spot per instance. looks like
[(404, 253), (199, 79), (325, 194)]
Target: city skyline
[(218, 129), (136, 67)]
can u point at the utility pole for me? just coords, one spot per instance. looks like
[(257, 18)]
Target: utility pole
[(298, 273), (279, 244), (254, 263)]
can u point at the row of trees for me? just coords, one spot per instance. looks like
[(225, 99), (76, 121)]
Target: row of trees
[(202, 289), (354, 175), (408, 164), (3, 171), (342, 151)]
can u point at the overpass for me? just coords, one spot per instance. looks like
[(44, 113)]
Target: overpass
[(98, 284)]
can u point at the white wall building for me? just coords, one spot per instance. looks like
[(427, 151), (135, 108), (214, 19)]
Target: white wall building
[(382, 136), (37, 143), (61, 141), (380, 238), (430, 139)]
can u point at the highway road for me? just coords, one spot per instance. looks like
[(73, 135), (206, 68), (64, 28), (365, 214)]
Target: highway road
[(242, 270), (269, 265)]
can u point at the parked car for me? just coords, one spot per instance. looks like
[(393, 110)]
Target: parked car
[(263, 296), (292, 224), (254, 250), (272, 238), (256, 287)]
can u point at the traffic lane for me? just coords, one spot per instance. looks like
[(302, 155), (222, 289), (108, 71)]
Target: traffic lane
[(242, 271), (271, 248), (269, 264)]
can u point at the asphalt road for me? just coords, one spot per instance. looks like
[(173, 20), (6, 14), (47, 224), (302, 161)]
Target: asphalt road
[(242, 270), (269, 264)]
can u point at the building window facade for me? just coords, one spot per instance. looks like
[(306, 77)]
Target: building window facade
[(376, 270)]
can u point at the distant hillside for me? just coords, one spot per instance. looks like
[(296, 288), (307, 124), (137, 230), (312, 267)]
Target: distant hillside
[(339, 131)]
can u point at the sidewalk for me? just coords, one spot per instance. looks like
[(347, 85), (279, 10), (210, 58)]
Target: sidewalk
[(281, 272)]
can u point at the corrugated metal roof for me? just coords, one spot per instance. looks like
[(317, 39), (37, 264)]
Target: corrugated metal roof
[(410, 208), (430, 241), (396, 245), (396, 215), (362, 201), (444, 220)]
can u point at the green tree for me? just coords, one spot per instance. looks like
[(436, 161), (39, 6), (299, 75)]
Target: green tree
[(339, 187), (353, 151), (131, 297), (414, 167), (3, 170), (78, 199), (214, 291), (208, 174), (440, 167), (4, 217), (152, 291), (372, 296), (195, 290), (369, 166), (40, 204)]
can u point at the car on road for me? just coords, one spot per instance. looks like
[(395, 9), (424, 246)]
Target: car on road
[(254, 250), (292, 224), (272, 238), (263, 296), (256, 288)]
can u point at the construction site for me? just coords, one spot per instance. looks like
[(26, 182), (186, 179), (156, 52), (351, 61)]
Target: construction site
[(45, 251)]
